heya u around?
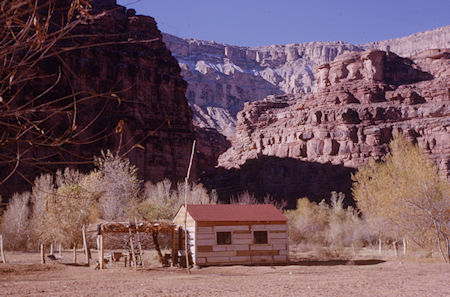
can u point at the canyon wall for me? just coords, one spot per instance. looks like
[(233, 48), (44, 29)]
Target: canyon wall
[(221, 77), (131, 100), (307, 145)]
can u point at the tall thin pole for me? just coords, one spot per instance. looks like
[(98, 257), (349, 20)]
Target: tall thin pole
[(185, 208), (85, 246), (1, 249)]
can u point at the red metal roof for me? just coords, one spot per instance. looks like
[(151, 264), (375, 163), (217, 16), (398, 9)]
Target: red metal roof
[(235, 212)]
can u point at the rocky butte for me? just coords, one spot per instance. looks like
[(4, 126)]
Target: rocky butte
[(307, 145), (137, 104)]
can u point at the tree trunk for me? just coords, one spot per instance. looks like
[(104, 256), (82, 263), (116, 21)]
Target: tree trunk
[(394, 245), (74, 253), (438, 237), (158, 250), (51, 248)]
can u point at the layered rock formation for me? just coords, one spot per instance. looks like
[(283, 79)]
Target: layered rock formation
[(222, 77), (134, 101), (296, 145), (415, 43)]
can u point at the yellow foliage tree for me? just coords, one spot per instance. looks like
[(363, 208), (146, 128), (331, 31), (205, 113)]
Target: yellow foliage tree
[(405, 196)]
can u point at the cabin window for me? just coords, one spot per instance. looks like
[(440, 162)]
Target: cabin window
[(223, 237), (260, 237)]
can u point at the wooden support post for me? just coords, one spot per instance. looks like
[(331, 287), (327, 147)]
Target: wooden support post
[(74, 253), (2, 252), (60, 249), (394, 245), (157, 248), (51, 248), (101, 251), (379, 246), (133, 255), (405, 245), (139, 243), (42, 253), (85, 246), (174, 249), (186, 180)]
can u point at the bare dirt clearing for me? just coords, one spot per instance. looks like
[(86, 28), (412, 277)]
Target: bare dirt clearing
[(311, 278)]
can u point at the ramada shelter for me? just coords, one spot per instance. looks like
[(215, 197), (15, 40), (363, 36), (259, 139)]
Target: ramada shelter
[(227, 234)]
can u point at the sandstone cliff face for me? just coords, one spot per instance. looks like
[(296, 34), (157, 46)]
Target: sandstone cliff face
[(222, 77), (136, 100), (361, 101), (415, 43)]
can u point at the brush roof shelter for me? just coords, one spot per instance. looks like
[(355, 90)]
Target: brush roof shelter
[(229, 234)]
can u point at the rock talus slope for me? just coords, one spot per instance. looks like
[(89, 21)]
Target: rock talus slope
[(137, 104), (298, 145)]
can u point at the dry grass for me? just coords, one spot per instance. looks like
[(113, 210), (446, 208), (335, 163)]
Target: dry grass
[(360, 277)]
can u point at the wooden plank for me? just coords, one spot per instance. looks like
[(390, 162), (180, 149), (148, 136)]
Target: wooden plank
[(242, 241), (277, 231), (257, 253), (280, 259), (276, 227), (201, 260), (205, 229), (262, 259), (234, 223), (206, 241), (237, 247), (242, 232), (261, 247), (206, 236), (284, 252), (218, 259), (279, 240), (204, 248), (279, 246), (278, 235), (216, 254), (240, 259), (230, 228), (242, 236)]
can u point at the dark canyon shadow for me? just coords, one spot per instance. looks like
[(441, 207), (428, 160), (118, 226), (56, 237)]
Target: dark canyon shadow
[(282, 178)]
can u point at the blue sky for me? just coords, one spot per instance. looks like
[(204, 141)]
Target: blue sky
[(264, 22)]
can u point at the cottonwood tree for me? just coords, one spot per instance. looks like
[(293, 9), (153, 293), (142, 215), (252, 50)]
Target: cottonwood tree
[(15, 222), (407, 194), (162, 200), (118, 186)]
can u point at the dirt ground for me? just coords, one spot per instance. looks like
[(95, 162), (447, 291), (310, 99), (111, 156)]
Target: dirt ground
[(23, 276)]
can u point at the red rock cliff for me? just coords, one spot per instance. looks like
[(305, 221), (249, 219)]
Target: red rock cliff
[(132, 87), (292, 145)]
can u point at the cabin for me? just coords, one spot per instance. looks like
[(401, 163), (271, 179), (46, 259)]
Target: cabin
[(230, 234)]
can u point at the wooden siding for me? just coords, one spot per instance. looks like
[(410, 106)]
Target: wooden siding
[(242, 250), (179, 218)]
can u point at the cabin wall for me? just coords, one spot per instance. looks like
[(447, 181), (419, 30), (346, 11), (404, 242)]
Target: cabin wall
[(242, 249)]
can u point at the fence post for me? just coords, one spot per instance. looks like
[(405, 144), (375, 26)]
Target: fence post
[(1, 249)]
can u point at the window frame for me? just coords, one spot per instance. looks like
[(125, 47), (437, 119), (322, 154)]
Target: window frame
[(226, 241), (255, 241)]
